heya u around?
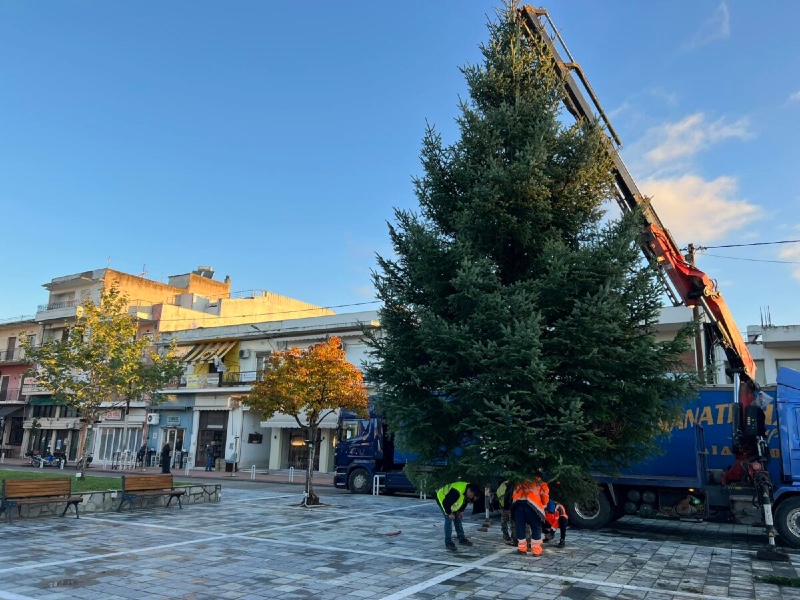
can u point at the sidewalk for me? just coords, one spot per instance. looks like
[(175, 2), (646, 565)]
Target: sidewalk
[(298, 477), (258, 543)]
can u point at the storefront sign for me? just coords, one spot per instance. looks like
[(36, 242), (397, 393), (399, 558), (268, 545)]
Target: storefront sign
[(31, 385), (114, 414), (173, 420)]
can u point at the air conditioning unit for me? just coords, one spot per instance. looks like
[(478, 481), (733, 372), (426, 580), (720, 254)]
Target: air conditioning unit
[(244, 353), (153, 418), (69, 425)]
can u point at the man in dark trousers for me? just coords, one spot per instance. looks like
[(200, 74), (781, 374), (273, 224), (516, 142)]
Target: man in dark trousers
[(165, 458), (209, 457), (453, 500)]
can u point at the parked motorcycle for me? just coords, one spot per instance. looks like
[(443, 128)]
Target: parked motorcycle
[(57, 459)]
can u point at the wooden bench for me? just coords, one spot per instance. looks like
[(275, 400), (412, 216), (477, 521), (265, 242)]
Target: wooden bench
[(20, 492), (148, 486)]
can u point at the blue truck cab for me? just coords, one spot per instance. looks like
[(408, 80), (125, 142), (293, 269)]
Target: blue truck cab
[(365, 448), (693, 477)]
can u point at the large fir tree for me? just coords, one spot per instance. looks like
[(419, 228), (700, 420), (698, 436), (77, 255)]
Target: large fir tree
[(518, 330)]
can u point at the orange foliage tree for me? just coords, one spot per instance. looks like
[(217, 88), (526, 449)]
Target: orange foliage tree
[(309, 385)]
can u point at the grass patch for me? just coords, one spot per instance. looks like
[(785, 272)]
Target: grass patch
[(778, 580), (87, 484)]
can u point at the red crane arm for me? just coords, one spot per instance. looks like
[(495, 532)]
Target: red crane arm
[(683, 283)]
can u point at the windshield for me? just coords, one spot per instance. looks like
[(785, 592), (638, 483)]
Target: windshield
[(352, 428)]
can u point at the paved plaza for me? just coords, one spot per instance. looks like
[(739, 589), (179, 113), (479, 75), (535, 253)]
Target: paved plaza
[(258, 543)]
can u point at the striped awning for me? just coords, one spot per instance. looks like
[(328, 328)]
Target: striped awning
[(205, 353)]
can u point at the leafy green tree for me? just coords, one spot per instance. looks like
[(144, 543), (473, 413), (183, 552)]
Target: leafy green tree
[(309, 385), (517, 328), (101, 364)]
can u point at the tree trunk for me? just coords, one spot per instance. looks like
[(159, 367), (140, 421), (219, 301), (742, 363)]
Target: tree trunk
[(82, 440), (311, 498)]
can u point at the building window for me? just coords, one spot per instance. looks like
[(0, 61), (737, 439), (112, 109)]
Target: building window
[(262, 360), (792, 363)]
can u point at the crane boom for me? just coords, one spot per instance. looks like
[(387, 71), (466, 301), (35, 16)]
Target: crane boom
[(684, 283)]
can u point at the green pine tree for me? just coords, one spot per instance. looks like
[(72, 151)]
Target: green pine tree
[(517, 329)]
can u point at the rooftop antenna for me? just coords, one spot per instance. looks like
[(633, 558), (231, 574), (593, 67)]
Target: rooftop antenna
[(108, 262), (144, 271)]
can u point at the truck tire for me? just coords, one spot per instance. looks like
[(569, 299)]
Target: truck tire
[(591, 515), (359, 481), (787, 521)]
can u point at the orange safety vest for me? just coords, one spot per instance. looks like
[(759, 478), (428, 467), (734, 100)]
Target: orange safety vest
[(553, 517), (536, 493)]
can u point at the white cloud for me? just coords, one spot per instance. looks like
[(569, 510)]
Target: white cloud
[(699, 211), (691, 135), (795, 97), (792, 253), (716, 27)]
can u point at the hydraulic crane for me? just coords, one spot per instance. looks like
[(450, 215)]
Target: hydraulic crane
[(684, 284)]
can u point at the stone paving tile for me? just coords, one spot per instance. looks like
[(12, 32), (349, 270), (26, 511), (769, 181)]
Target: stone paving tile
[(258, 544)]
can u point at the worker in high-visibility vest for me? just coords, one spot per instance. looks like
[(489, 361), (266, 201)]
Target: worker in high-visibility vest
[(453, 499), (529, 499), (555, 518)]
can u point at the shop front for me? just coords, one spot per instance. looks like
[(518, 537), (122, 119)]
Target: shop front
[(118, 437)]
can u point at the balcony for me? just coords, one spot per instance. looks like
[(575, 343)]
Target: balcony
[(57, 310), (214, 380), (10, 395), (15, 355)]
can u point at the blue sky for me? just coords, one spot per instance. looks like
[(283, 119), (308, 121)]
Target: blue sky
[(271, 140)]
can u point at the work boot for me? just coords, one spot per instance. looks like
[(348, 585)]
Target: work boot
[(450, 545), (537, 550), (522, 547), (562, 544), (465, 542), (506, 537)]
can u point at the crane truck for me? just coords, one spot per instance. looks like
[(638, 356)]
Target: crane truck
[(750, 488)]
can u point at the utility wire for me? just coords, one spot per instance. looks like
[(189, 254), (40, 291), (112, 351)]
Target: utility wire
[(746, 245), (783, 262), (269, 314)]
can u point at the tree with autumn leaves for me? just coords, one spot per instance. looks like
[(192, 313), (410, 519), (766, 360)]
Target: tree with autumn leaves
[(101, 364), (309, 385)]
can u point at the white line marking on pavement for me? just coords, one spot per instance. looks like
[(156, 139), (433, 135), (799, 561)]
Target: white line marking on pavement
[(96, 557), (424, 585)]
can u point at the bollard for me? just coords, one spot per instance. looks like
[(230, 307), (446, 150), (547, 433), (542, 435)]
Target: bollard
[(376, 483), (105, 463), (252, 472), (186, 469), (291, 474), (41, 462), (61, 462), (423, 491), (2, 458)]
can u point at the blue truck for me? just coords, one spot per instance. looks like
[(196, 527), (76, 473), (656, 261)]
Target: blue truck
[(699, 475), (365, 448)]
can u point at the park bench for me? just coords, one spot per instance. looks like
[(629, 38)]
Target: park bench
[(148, 486), (20, 492)]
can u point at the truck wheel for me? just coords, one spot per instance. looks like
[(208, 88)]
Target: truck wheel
[(358, 482), (787, 521), (591, 515)]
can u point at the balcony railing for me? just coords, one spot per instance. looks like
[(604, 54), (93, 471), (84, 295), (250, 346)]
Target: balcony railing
[(241, 378), (58, 305), (215, 380), (14, 355), (9, 395)]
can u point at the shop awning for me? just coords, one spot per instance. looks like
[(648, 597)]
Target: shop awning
[(7, 410), (205, 353)]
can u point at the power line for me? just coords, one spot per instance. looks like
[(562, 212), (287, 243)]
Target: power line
[(783, 262), (746, 245), (269, 314)]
